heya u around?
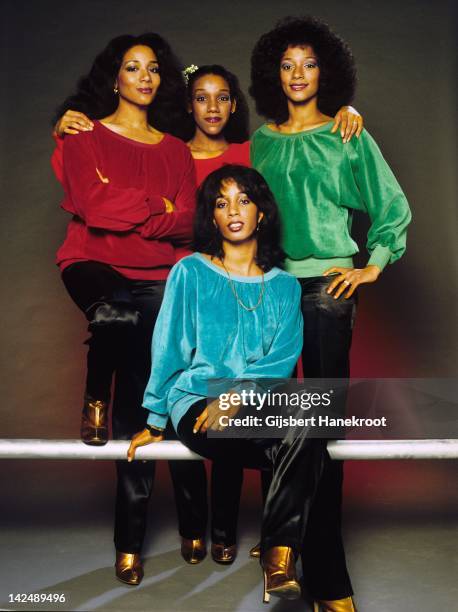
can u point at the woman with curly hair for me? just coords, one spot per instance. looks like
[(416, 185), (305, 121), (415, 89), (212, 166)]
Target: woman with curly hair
[(130, 191), (216, 128), (230, 312), (301, 74)]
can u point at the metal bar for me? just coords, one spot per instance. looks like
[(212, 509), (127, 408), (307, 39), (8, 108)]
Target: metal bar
[(117, 449)]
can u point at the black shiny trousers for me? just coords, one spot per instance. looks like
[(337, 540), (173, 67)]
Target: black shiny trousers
[(121, 314), (295, 464), (328, 325)]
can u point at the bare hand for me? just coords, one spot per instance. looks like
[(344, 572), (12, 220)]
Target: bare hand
[(73, 122), (350, 121), (350, 278), (169, 206), (142, 438), (210, 417)]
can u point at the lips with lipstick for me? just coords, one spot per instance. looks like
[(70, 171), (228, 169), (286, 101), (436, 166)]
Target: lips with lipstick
[(298, 86), (235, 226), (212, 120), (145, 90)]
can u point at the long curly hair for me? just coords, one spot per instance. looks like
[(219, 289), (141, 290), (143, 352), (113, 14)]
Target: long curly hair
[(237, 128), (207, 238), (95, 97), (337, 67)]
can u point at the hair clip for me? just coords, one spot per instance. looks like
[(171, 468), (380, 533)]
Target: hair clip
[(188, 71)]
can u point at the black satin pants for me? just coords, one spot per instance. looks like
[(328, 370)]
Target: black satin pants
[(295, 463), (328, 325), (121, 314)]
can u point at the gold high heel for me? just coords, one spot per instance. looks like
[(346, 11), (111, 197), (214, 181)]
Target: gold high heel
[(255, 552), (280, 579), (129, 568), (223, 554), (334, 605), (94, 422), (193, 551)]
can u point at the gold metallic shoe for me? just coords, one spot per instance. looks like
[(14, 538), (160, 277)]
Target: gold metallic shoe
[(94, 422), (280, 578), (224, 554), (193, 551), (255, 552), (129, 568), (334, 605)]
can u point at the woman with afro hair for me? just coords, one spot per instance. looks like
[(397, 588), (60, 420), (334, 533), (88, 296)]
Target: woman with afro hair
[(216, 130), (301, 73)]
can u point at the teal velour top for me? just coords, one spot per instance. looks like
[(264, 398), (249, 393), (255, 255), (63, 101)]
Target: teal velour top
[(203, 333), (318, 182)]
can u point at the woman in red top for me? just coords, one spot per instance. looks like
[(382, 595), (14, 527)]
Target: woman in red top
[(217, 131), (130, 189)]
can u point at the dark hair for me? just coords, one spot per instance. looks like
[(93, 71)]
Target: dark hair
[(207, 238), (336, 62), (237, 127), (95, 97)]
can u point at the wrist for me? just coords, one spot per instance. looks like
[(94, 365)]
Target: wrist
[(374, 270), (154, 431)]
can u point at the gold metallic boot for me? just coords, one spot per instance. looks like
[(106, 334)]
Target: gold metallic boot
[(94, 422), (255, 552), (280, 578), (334, 605), (193, 551), (224, 554), (129, 568)]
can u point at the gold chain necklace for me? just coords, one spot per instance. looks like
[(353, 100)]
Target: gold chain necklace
[(236, 295)]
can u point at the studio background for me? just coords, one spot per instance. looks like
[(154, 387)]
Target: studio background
[(406, 326)]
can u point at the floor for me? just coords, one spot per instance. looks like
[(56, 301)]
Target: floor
[(61, 544)]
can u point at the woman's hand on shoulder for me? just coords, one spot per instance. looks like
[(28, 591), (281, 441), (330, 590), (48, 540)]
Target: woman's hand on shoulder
[(350, 278), (142, 438), (73, 122), (351, 122)]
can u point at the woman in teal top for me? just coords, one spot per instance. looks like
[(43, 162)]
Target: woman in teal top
[(301, 72), (230, 312)]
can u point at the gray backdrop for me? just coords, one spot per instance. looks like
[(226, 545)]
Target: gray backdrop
[(405, 54)]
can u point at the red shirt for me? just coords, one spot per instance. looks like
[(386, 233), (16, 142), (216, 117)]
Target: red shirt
[(234, 154), (114, 188)]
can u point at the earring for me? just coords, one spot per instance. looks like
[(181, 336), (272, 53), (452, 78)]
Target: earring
[(115, 90)]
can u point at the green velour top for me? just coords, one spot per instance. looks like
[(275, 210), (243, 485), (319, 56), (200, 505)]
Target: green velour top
[(318, 181)]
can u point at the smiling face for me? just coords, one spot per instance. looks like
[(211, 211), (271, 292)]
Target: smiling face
[(211, 104), (235, 215), (138, 77), (299, 74)]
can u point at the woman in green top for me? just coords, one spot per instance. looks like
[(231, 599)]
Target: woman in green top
[(301, 73)]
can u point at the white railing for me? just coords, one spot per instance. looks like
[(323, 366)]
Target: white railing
[(117, 449)]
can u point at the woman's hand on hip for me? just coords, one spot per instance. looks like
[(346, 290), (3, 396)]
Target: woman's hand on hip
[(351, 122), (349, 278), (142, 438), (73, 122)]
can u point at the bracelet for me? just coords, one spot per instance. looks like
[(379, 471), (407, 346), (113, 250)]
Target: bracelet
[(154, 430)]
